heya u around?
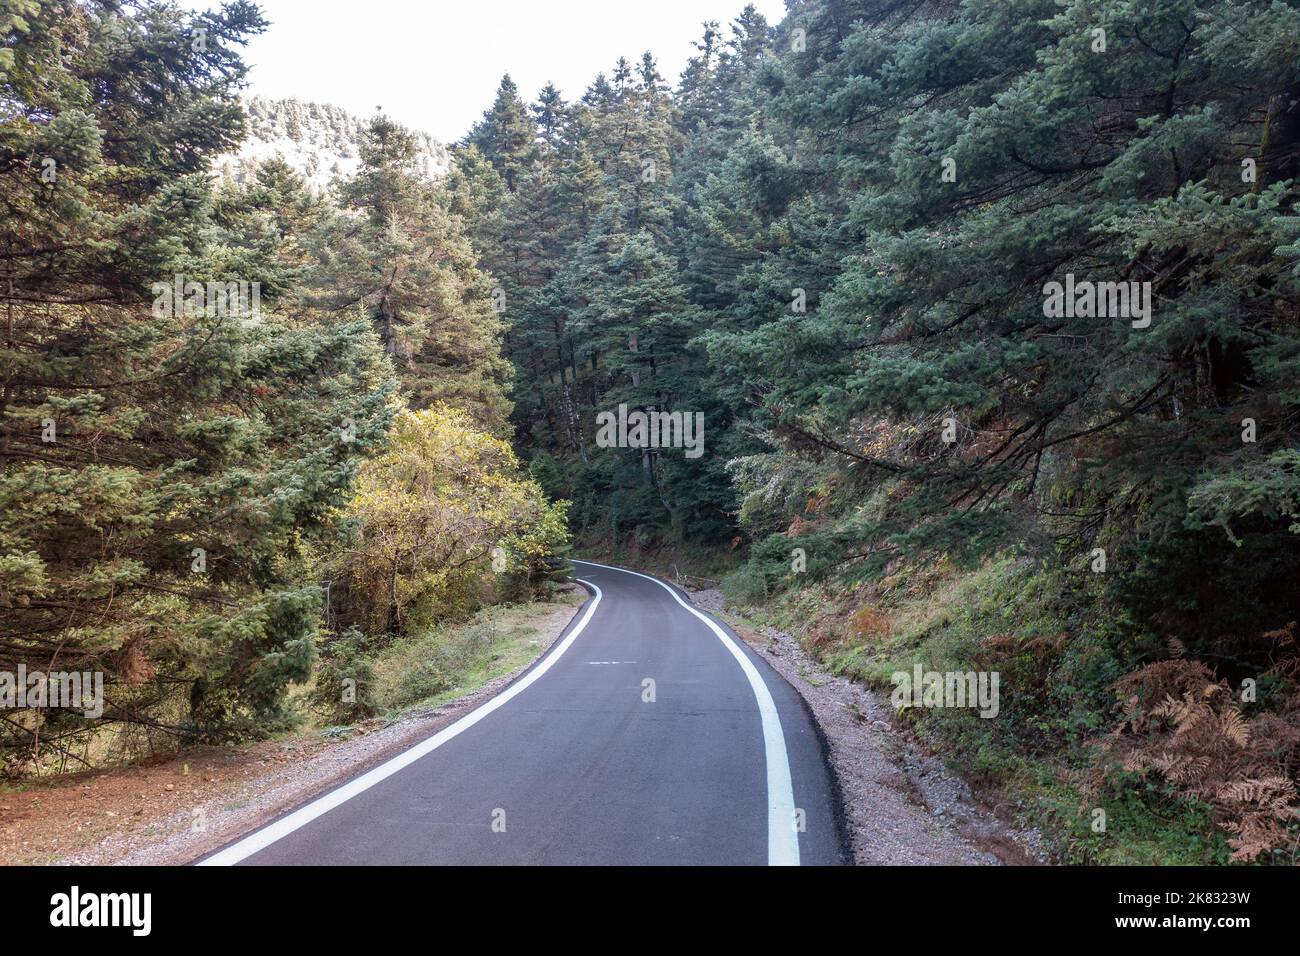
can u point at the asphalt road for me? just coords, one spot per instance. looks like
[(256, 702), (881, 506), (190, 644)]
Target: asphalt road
[(649, 734)]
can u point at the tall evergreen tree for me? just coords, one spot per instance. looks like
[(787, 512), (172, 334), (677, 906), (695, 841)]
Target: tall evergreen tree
[(400, 254), (164, 459), (506, 133)]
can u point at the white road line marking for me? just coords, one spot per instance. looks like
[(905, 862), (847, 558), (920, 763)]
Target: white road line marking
[(782, 838), (261, 839)]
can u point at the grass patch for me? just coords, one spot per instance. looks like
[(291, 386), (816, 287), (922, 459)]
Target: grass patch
[(446, 662), (360, 679)]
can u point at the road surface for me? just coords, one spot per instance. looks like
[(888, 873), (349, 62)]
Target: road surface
[(648, 734)]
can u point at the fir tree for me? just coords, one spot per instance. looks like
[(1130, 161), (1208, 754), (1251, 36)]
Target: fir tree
[(399, 254), (165, 461)]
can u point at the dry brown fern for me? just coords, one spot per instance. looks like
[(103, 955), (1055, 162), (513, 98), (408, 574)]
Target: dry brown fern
[(1179, 721), (871, 622)]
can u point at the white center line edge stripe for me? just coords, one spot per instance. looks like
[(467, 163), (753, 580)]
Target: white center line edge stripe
[(782, 838), (261, 839)]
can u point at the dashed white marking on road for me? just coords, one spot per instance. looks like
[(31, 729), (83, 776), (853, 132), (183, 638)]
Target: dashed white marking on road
[(261, 839), (782, 839)]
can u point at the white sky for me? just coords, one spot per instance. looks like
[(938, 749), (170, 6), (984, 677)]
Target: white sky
[(434, 65)]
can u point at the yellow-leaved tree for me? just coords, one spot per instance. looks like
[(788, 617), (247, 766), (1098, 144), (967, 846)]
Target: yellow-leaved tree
[(443, 520)]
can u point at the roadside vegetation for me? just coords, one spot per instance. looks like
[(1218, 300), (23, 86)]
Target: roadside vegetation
[(1044, 760), (430, 666), (152, 803)]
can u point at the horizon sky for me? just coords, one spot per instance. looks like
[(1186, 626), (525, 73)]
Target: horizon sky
[(320, 51)]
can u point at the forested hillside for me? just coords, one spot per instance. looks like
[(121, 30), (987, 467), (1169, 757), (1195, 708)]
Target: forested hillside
[(974, 326), (837, 238), (319, 141)]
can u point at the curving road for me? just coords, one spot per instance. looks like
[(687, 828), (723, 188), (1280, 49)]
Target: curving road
[(648, 734)]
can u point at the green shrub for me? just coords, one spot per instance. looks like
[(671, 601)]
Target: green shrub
[(344, 688)]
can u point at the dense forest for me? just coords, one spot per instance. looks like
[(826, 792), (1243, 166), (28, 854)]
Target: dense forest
[(836, 238), (990, 312), (207, 495)]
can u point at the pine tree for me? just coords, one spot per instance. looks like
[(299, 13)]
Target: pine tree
[(551, 117), (506, 133), (400, 256), (165, 461)]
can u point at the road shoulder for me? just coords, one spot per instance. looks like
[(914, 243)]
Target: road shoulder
[(901, 806), (178, 809)]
